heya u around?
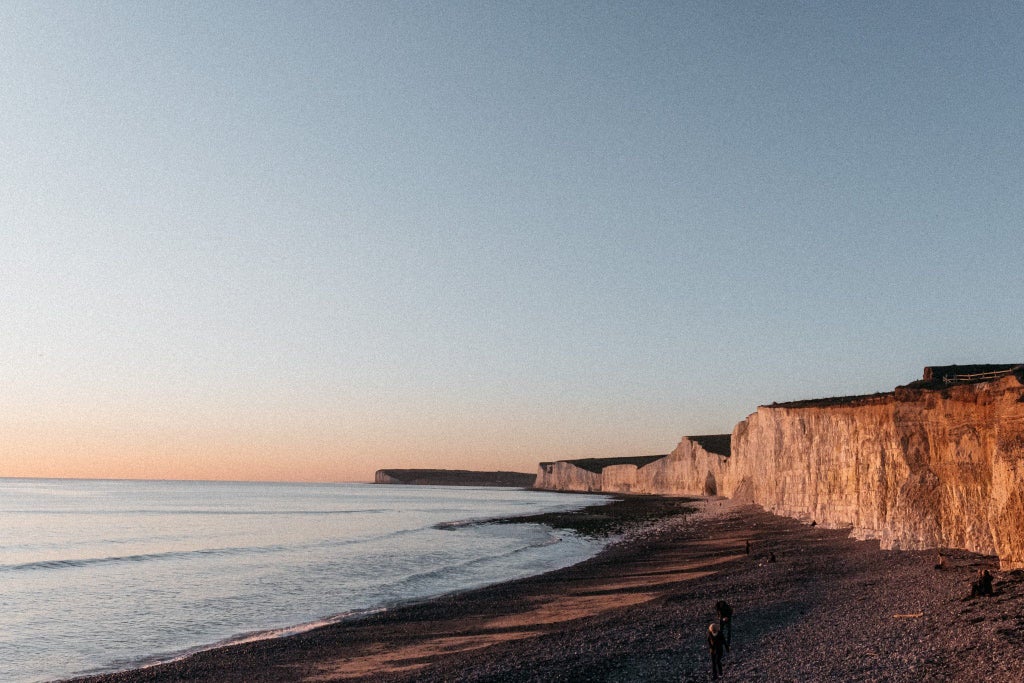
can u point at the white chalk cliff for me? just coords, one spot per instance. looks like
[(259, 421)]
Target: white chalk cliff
[(914, 468), (917, 468), (695, 467)]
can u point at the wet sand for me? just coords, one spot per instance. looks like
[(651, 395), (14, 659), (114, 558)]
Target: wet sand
[(829, 608)]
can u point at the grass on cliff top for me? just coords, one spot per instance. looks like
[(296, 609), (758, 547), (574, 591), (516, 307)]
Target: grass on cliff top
[(612, 518)]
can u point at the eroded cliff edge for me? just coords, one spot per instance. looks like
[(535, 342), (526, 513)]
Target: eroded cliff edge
[(915, 468)]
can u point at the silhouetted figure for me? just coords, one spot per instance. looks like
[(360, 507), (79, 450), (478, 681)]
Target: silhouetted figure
[(771, 555), (716, 644), (983, 586), (725, 622), (748, 547), (813, 523)]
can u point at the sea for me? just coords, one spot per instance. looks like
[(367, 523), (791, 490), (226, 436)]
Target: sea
[(99, 576)]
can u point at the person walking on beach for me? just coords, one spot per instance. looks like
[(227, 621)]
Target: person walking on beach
[(716, 643), (983, 586), (725, 622)]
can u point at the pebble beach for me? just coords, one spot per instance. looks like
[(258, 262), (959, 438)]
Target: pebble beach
[(829, 608)]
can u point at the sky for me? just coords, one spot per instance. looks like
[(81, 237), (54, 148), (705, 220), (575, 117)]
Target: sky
[(305, 241)]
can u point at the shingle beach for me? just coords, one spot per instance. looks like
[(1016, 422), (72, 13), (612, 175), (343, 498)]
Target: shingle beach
[(828, 609)]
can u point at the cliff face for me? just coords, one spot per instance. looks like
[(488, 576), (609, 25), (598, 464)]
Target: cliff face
[(930, 465), (564, 476), (914, 469), (688, 470), (384, 477)]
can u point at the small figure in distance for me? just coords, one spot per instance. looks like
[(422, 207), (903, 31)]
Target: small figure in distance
[(771, 555), (724, 610), (715, 644), (748, 547), (813, 523), (940, 562), (983, 586)]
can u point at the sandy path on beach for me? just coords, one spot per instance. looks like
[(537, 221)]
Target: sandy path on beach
[(644, 581)]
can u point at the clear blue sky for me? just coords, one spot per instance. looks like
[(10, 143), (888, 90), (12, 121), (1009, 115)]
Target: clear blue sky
[(306, 240)]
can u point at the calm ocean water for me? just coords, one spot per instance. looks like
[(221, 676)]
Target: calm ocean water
[(105, 575)]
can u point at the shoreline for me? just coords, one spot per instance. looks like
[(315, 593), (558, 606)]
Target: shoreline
[(639, 609), (618, 514), (579, 520)]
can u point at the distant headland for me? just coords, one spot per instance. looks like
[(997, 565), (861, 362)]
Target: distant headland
[(453, 478)]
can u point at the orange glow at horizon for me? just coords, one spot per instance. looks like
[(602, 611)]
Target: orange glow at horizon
[(97, 455), (311, 447)]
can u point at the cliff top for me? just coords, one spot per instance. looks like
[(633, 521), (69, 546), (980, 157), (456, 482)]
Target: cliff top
[(597, 464), (941, 376), (936, 377), (719, 444), (861, 399), (969, 372)]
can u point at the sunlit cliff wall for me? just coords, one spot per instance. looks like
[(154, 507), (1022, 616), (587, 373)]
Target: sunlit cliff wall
[(916, 468), (619, 479), (690, 469), (935, 466), (564, 476), (928, 465)]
